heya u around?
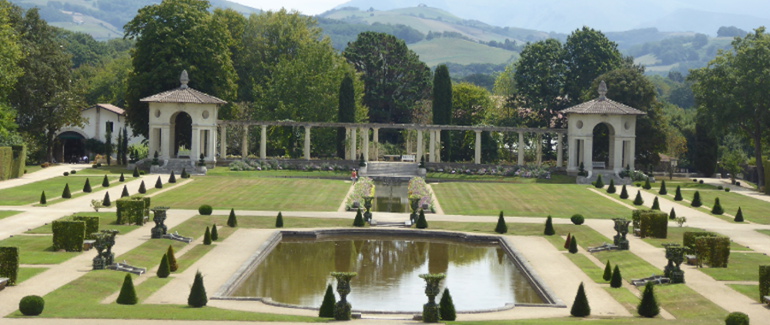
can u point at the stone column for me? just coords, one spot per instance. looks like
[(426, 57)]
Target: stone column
[(477, 149), (154, 141), (521, 149), (572, 154), (559, 150), (353, 141), (432, 146), (263, 143), (420, 147), (222, 141), (539, 149), (212, 148), (632, 153), (617, 154), (438, 144), (307, 142), (165, 144), (376, 142), (245, 143), (365, 137), (588, 159), (196, 150)]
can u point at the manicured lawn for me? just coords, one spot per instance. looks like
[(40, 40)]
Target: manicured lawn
[(28, 272), (6, 214), (256, 194), (555, 179), (748, 290), (754, 210), (741, 267), (111, 170), (676, 234), (224, 171), (106, 221), (766, 232), (37, 250), (30, 193), (537, 200)]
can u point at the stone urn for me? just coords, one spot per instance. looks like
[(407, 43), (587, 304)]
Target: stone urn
[(342, 308), (159, 217), (368, 205), (430, 311)]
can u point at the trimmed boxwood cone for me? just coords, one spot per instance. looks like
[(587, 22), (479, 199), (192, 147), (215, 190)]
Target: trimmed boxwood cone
[(172, 264), (580, 307), (717, 209), (327, 306), (696, 200), (623, 192), (127, 294), (739, 216), (197, 296), (501, 227), (164, 270), (647, 185), (142, 188), (358, 221), (422, 223), (573, 246), (172, 178), (638, 199), (279, 220), (672, 214), (106, 201), (207, 237), (87, 186), (678, 195), (569, 239), (655, 204), (122, 178), (607, 272), (549, 231), (447, 307), (648, 307), (599, 183), (158, 184), (611, 188), (663, 190), (184, 173), (231, 220), (105, 181), (136, 171), (66, 193), (42, 198), (214, 233), (125, 192), (617, 278)]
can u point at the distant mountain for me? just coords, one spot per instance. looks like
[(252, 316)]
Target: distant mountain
[(564, 16)]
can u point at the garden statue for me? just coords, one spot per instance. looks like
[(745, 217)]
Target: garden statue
[(159, 217), (105, 239), (675, 256), (430, 311), (343, 307), (621, 226)]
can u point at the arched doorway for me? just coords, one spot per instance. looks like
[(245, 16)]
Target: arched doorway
[(181, 125), (72, 148), (603, 135)]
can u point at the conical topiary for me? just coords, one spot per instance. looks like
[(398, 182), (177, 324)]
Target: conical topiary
[(573, 246), (136, 171), (122, 178), (717, 209), (232, 221), (66, 193), (106, 201), (623, 192), (279, 220), (611, 188), (647, 185), (127, 294), (663, 190), (607, 272), (214, 233), (125, 192), (327, 306), (648, 307), (655, 204), (599, 183), (142, 188), (172, 178), (672, 214), (696, 200), (207, 237), (158, 183), (42, 198), (164, 270), (638, 199), (105, 181), (617, 278), (580, 307), (358, 221), (184, 173), (447, 307), (549, 231), (739, 216), (501, 227), (422, 223), (197, 296), (87, 186), (172, 264), (678, 195), (568, 241)]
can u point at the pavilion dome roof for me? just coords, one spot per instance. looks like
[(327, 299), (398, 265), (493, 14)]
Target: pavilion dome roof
[(183, 94), (602, 105)]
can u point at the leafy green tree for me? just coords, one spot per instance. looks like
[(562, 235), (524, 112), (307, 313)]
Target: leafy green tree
[(733, 157), (442, 106), (705, 151), (505, 84), (730, 91), (470, 104), (172, 36), (588, 53), (10, 55), (539, 78)]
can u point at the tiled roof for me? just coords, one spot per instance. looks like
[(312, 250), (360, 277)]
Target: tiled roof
[(183, 94), (109, 107), (602, 106)]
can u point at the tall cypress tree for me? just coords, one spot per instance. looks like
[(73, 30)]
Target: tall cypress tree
[(108, 146), (346, 112), (119, 153), (124, 144), (442, 104)]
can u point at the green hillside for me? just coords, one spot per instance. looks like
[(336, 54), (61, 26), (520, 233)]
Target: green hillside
[(442, 50)]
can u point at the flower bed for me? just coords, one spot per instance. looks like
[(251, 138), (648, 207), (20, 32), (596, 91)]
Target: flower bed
[(418, 188), (526, 171), (254, 164), (363, 187)]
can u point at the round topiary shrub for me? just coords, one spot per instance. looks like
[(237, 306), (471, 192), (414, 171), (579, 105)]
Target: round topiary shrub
[(700, 182), (737, 183), (727, 189), (31, 305), (66, 173), (205, 210), (73, 172), (720, 187), (577, 219), (737, 318)]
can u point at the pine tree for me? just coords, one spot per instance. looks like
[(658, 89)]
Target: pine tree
[(655, 204), (611, 189), (607, 272), (279, 220), (638, 199), (717, 209), (327, 306), (663, 190), (142, 188), (164, 270), (127, 294), (214, 233), (66, 193), (623, 193), (120, 148), (172, 263), (207, 237), (501, 227), (617, 278), (346, 111), (358, 221), (158, 184), (422, 223), (87, 186), (136, 171), (647, 185), (172, 178), (696, 200), (442, 105), (549, 231), (573, 246), (105, 181), (739, 216), (580, 307), (648, 307), (447, 306), (678, 195), (122, 178), (231, 220), (106, 201), (672, 214), (125, 192), (42, 198), (599, 183), (197, 296)]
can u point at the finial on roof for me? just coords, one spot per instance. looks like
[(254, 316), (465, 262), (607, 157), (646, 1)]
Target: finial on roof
[(602, 90), (184, 79)]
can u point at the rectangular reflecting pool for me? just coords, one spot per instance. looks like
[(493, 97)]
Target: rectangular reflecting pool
[(480, 275)]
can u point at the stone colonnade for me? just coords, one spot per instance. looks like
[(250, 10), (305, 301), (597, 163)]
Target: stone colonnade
[(364, 133)]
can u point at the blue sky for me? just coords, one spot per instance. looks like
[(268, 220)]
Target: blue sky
[(308, 7)]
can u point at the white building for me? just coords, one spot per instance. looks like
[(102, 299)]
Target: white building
[(99, 119)]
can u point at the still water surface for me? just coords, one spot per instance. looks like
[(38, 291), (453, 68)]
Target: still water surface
[(479, 276)]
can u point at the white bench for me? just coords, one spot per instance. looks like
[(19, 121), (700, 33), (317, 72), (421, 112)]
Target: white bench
[(598, 165), (411, 158), (3, 282)]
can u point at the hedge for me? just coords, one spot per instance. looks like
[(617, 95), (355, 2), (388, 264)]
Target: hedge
[(651, 223), (764, 281), (711, 248), (9, 264), (92, 224), (19, 161), (130, 210), (68, 235), (6, 161)]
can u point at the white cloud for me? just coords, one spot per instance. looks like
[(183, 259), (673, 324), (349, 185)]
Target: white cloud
[(307, 7)]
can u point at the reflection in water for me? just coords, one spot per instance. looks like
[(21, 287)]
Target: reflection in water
[(297, 272), (391, 195)]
